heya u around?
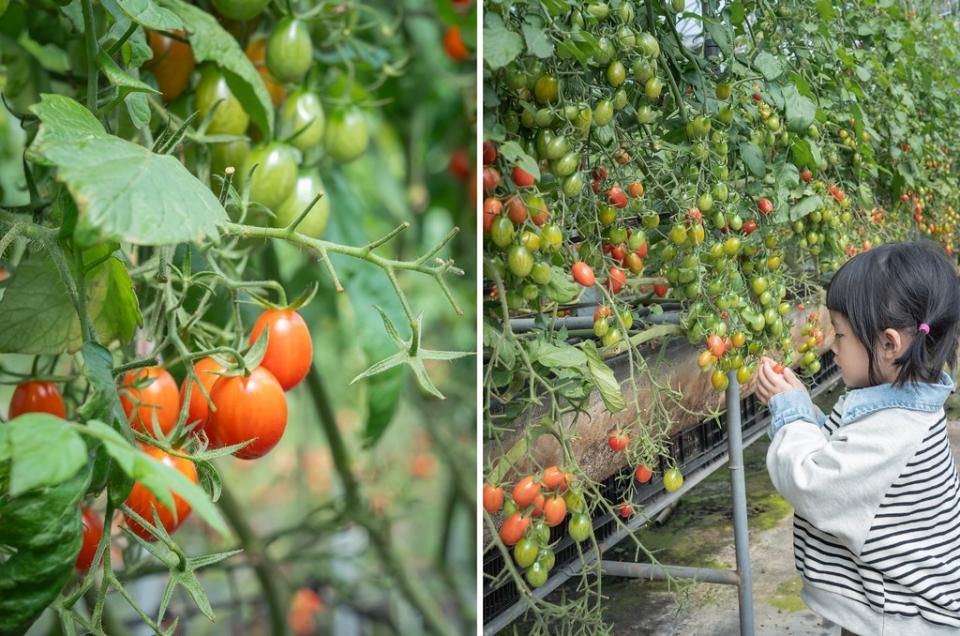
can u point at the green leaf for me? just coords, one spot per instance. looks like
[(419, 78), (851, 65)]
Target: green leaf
[(604, 379), (753, 158), (40, 536), (500, 45), (123, 191), (45, 452), (514, 154), (825, 9), (98, 369), (159, 478), (211, 43), (721, 35), (146, 13), (800, 149), (538, 43), (39, 317), (551, 355), (768, 65), (737, 13), (120, 78), (805, 207), (800, 110)]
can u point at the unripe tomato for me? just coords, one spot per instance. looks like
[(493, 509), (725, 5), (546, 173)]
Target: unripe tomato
[(723, 90), (525, 491), (546, 558), (348, 135), (92, 533), (635, 189), (226, 155), (583, 274), (34, 396), (525, 552), (256, 52), (199, 408), (719, 379), (248, 408), (652, 88), (673, 479), (541, 273), (289, 50), (143, 502), (546, 89), (616, 73), (580, 527), (172, 63), (603, 113), (536, 574), (520, 261), (643, 474), (159, 399), (289, 351), (492, 498), (229, 118), (649, 45), (306, 188), (302, 115), (554, 511), (275, 176), (743, 375), (502, 231), (454, 46), (240, 9)]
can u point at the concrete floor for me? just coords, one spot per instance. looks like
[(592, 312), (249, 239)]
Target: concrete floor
[(647, 608)]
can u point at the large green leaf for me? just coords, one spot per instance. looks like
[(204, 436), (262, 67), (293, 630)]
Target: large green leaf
[(40, 532), (122, 190), (604, 379), (45, 450), (145, 13), (801, 110), (769, 65), (753, 158), (212, 43), (39, 317), (500, 45)]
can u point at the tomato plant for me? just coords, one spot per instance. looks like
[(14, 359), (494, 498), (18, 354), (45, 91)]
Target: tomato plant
[(222, 237)]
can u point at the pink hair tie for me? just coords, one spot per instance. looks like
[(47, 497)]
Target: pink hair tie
[(924, 327)]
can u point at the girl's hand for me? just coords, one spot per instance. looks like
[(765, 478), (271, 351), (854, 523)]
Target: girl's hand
[(770, 383)]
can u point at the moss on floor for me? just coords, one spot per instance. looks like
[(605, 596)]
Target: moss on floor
[(787, 596)]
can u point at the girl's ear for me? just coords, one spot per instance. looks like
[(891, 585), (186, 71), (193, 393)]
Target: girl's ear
[(892, 344)]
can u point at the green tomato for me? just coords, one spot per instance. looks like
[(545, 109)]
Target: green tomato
[(302, 115), (552, 237), (603, 113), (240, 9), (229, 118), (649, 45), (705, 202), (547, 558), (673, 479), (616, 73), (557, 147), (347, 135), (541, 273), (600, 327), (611, 338), (579, 527), (566, 165), (573, 185), (759, 285), (289, 50), (228, 154), (620, 99), (307, 187), (546, 89), (275, 175), (653, 88), (501, 232), (644, 70), (520, 261), (604, 51), (536, 574), (525, 552)]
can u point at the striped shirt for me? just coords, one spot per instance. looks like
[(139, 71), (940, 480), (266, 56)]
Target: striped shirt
[(877, 518)]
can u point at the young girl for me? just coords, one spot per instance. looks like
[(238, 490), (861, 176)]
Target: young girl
[(874, 486)]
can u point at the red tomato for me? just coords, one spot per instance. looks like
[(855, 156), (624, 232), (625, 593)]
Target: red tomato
[(516, 209), (289, 349), (643, 474), (616, 280), (525, 492), (492, 498), (778, 368), (34, 396), (599, 173), (538, 503), (172, 63), (749, 226), (635, 189), (552, 478), (715, 344), (199, 408), (757, 97), (661, 290), (522, 178), (142, 501), (583, 274), (92, 532), (491, 179), (618, 441), (459, 164), (765, 206), (806, 175), (625, 510), (257, 53), (602, 312), (616, 197), (252, 407), (489, 152), (554, 511), (454, 46), (513, 528), (160, 398), (491, 208)]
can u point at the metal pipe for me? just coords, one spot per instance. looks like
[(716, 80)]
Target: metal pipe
[(663, 572), (738, 482), (520, 325)]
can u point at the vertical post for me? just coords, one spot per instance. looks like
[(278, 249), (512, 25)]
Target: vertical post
[(737, 481)]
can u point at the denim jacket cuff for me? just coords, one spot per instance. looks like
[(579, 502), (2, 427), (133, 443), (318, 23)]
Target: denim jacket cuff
[(790, 406)]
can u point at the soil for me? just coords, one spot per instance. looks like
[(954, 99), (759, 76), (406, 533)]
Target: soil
[(700, 533)]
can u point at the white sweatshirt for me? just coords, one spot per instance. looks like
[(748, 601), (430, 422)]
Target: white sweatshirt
[(877, 507)]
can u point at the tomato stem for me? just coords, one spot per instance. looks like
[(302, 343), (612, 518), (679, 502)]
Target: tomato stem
[(90, 36)]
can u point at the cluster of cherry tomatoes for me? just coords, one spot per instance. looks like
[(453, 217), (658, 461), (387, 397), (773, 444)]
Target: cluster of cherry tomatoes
[(241, 407)]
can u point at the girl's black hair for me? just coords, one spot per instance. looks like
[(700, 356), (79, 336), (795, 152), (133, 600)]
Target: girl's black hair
[(900, 286)]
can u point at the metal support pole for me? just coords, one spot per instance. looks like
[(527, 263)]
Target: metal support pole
[(738, 482), (663, 572)]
